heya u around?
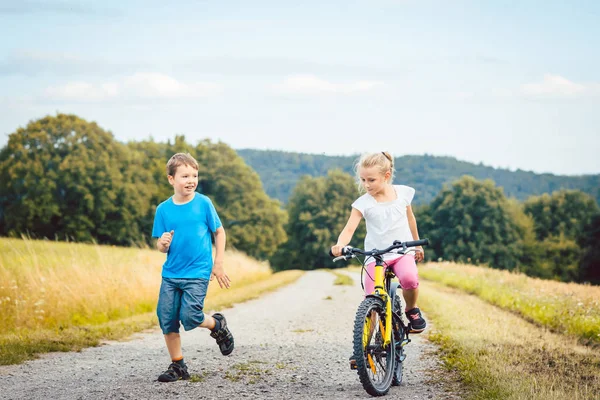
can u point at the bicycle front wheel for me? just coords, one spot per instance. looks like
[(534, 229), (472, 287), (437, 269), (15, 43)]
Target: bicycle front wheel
[(374, 361)]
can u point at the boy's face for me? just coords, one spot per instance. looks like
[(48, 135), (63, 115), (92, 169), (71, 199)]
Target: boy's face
[(184, 181)]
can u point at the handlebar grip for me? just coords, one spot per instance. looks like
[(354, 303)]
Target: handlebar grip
[(330, 253), (414, 243)]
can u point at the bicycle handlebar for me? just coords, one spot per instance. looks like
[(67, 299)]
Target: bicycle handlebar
[(350, 252)]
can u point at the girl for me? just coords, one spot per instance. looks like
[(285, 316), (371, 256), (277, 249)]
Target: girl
[(388, 216)]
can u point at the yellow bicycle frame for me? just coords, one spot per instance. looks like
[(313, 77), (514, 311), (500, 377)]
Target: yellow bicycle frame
[(383, 294)]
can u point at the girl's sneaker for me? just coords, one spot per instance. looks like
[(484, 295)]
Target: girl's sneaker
[(416, 322), (174, 373), (223, 336)]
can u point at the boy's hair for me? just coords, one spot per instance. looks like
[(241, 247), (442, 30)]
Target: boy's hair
[(178, 160), (382, 160)]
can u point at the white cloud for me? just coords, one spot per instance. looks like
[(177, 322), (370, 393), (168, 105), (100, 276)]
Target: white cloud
[(142, 85), (154, 85), (79, 91), (558, 86), (311, 85)]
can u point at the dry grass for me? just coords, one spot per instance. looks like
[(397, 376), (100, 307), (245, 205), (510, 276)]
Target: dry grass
[(58, 296), (46, 284), (566, 308), (502, 356)]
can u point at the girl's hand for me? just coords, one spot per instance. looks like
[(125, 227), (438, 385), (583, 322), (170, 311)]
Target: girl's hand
[(419, 254), (337, 250)]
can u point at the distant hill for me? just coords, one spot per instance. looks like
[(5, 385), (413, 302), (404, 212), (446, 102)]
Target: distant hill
[(279, 172)]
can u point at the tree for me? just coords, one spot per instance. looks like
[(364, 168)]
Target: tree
[(318, 210), (560, 221), (253, 221), (590, 243), (564, 212), (154, 157), (68, 178), (471, 222)]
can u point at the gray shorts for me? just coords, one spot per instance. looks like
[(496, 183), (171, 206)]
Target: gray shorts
[(181, 300)]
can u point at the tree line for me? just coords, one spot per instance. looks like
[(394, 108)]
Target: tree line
[(280, 171), (552, 236), (64, 178)]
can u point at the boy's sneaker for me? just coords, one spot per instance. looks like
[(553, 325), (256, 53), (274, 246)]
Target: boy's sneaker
[(223, 336), (415, 321), (174, 373)]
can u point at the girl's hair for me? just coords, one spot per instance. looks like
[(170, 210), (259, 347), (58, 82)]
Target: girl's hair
[(382, 160), (178, 160)]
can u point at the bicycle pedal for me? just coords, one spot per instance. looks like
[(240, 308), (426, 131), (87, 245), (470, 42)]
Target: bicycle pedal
[(353, 364)]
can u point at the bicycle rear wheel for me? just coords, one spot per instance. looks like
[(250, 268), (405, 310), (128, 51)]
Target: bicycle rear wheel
[(400, 339), (374, 361)]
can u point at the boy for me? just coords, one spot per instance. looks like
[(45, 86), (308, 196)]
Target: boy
[(183, 225)]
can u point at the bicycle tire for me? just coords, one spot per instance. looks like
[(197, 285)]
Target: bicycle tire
[(399, 335), (375, 364)]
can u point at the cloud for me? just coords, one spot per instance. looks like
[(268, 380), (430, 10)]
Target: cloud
[(154, 85), (311, 85), (139, 86), (554, 86), (82, 91)]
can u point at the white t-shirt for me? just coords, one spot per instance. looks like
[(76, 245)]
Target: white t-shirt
[(386, 221)]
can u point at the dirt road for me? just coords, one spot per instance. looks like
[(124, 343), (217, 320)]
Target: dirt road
[(290, 344)]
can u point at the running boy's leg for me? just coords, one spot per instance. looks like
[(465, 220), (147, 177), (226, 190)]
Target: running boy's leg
[(169, 304), (192, 314)]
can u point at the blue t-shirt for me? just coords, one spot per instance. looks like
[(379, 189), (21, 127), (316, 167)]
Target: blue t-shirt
[(190, 253)]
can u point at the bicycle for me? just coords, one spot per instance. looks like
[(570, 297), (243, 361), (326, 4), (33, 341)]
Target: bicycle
[(378, 357)]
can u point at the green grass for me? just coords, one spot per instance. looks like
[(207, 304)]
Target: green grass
[(341, 278), (25, 344), (499, 355), (250, 372), (566, 308)]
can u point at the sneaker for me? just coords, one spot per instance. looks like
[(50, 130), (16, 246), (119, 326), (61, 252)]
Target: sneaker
[(415, 321), (223, 336), (174, 373)]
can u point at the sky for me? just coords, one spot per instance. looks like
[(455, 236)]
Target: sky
[(510, 84)]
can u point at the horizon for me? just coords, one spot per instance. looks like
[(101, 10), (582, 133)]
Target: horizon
[(514, 88), (420, 155)]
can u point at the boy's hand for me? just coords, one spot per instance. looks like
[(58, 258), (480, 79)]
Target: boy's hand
[(419, 254), (219, 272), (165, 240)]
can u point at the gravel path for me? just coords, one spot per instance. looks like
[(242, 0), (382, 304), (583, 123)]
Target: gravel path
[(292, 344)]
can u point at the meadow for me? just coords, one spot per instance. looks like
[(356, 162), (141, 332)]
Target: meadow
[(509, 336), (58, 296), (566, 308)]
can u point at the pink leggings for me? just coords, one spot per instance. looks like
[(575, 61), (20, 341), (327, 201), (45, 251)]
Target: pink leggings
[(405, 269)]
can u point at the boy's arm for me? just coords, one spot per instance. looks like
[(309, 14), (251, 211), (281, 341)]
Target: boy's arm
[(218, 269), (412, 223)]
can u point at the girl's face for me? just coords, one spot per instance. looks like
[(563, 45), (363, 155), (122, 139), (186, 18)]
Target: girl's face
[(184, 182), (373, 180)]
